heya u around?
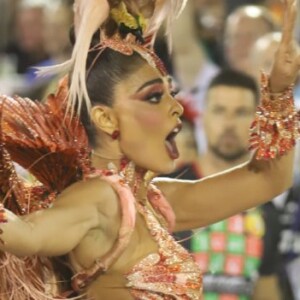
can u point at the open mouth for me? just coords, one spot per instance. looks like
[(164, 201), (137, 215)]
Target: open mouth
[(171, 144)]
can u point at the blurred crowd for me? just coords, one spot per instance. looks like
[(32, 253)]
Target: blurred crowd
[(218, 51), (222, 33), (33, 33)]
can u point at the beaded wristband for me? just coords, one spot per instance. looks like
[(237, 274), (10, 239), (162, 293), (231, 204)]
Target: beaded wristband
[(276, 125)]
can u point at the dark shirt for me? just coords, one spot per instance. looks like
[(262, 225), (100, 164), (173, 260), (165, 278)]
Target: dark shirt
[(289, 244)]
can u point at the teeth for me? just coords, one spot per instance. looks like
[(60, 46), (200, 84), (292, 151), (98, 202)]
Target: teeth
[(176, 130)]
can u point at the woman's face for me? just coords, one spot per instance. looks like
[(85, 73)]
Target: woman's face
[(148, 117)]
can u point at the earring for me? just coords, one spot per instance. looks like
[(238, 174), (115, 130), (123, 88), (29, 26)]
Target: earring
[(115, 135)]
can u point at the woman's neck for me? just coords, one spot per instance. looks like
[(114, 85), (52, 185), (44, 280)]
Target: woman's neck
[(136, 177), (103, 161)]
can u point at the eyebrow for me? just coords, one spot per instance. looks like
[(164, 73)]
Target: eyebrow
[(170, 79), (173, 84), (154, 81)]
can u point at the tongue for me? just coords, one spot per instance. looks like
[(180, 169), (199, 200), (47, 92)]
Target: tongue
[(172, 148)]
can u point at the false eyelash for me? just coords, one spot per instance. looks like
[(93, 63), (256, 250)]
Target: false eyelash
[(157, 95), (174, 93)]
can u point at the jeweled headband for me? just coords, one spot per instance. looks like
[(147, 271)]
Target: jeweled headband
[(135, 24)]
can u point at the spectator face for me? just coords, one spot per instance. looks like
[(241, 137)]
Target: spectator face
[(30, 29), (262, 53), (57, 25), (242, 31), (210, 18), (227, 120)]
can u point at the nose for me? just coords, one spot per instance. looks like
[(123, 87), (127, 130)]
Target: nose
[(230, 124), (176, 109)]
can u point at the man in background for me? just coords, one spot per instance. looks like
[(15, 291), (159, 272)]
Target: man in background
[(28, 47), (243, 28), (237, 255)]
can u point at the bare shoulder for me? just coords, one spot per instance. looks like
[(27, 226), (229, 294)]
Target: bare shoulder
[(93, 191)]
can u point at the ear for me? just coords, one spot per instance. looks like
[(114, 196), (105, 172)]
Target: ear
[(104, 118)]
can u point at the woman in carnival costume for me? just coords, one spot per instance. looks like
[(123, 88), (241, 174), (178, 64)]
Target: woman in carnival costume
[(96, 224)]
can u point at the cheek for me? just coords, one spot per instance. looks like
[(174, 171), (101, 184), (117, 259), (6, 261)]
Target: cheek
[(212, 130), (244, 129), (150, 119), (213, 135), (142, 129)]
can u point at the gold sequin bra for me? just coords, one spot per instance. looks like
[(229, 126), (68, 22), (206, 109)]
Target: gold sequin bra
[(169, 274)]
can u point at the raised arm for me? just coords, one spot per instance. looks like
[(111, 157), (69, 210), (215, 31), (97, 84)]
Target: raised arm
[(203, 202), (57, 230)]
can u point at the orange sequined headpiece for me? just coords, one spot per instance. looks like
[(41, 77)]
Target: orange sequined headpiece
[(128, 47)]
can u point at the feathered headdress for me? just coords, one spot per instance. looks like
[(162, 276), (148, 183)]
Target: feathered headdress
[(139, 19)]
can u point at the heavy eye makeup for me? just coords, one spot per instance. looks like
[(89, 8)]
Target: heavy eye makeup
[(173, 86), (152, 94), (174, 92), (153, 91)]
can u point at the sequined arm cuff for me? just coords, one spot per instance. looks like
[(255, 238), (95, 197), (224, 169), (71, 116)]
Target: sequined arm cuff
[(276, 125)]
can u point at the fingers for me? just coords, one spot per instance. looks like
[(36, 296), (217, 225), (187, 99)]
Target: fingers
[(289, 21)]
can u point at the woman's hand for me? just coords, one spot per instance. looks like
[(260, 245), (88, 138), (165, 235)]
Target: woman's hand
[(287, 59)]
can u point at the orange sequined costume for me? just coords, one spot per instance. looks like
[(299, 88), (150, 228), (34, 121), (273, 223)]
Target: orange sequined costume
[(169, 274)]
